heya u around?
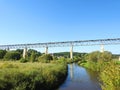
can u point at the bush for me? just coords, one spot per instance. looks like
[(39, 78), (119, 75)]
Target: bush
[(94, 56), (33, 57), (2, 53), (12, 55), (106, 56), (23, 60), (110, 76), (45, 58), (109, 71), (97, 56)]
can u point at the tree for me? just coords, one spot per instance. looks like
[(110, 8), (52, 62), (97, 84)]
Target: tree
[(106, 56), (33, 57), (12, 55), (94, 56), (30, 51), (98, 56), (2, 53), (20, 51), (45, 58)]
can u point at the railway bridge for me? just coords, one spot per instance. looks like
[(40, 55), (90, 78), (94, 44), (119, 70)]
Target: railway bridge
[(71, 44)]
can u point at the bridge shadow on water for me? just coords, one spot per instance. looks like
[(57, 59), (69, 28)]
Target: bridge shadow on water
[(80, 78)]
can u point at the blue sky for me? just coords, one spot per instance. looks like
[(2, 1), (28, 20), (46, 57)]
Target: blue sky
[(33, 21)]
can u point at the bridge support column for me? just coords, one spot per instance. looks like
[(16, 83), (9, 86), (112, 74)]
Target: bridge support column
[(102, 48), (119, 58), (71, 52), (24, 52), (46, 50)]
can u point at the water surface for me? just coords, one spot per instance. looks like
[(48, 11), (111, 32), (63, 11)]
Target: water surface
[(80, 78)]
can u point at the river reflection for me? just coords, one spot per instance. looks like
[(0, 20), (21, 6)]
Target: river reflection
[(80, 79)]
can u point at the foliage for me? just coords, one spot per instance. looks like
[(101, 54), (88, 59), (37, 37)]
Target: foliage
[(110, 76), (94, 56), (67, 54), (2, 53), (106, 56), (109, 71), (30, 51), (20, 51), (12, 55), (45, 58), (33, 57), (31, 76), (23, 60), (55, 58), (97, 56), (118, 62)]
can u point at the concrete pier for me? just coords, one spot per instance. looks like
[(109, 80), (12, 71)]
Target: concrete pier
[(24, 52), (46, 50), (71, 52), (102, 48)]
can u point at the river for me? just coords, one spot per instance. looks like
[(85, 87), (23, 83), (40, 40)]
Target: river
[(80, 78)]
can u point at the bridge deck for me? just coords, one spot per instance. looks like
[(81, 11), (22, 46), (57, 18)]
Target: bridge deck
[(64, 44)]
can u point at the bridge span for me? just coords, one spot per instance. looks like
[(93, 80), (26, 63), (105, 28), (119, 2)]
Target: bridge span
[(71, 44)]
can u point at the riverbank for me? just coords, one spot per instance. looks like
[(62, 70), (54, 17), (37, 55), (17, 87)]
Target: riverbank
[(109, 73), (31, 76), (80, 78)]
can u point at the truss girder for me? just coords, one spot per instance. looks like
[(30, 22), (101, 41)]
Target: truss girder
[(64, 44)]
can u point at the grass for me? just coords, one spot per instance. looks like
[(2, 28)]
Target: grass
[(31, 76)]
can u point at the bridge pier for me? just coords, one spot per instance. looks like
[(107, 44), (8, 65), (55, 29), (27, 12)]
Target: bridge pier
[(24, 52), (102, 48), (46, 50), (119, 58), (71, 52)]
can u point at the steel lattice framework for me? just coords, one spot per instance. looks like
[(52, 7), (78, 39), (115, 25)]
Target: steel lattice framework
[(64, 44)]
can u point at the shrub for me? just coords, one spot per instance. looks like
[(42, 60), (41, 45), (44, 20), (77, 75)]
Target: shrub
[(33, 57), (94, 56), (12, 55), (2, 53), (45, 58), (110, 76), (23, 60), (97, 56), (106, 56)]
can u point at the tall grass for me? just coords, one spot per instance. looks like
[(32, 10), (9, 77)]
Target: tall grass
[(31, 76)]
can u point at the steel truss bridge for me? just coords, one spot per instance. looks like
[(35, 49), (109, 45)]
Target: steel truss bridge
[(64, 44), (101, 42)]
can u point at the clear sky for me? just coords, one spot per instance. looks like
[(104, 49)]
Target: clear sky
[(35, 21)]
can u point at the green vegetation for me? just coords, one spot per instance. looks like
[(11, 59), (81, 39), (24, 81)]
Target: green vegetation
[(35, 56), (2, 53), (109, 70), (34, 72), (12, 55), (46, 72), (110, 76), (31, 76), (67, 54), (45, 58)]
